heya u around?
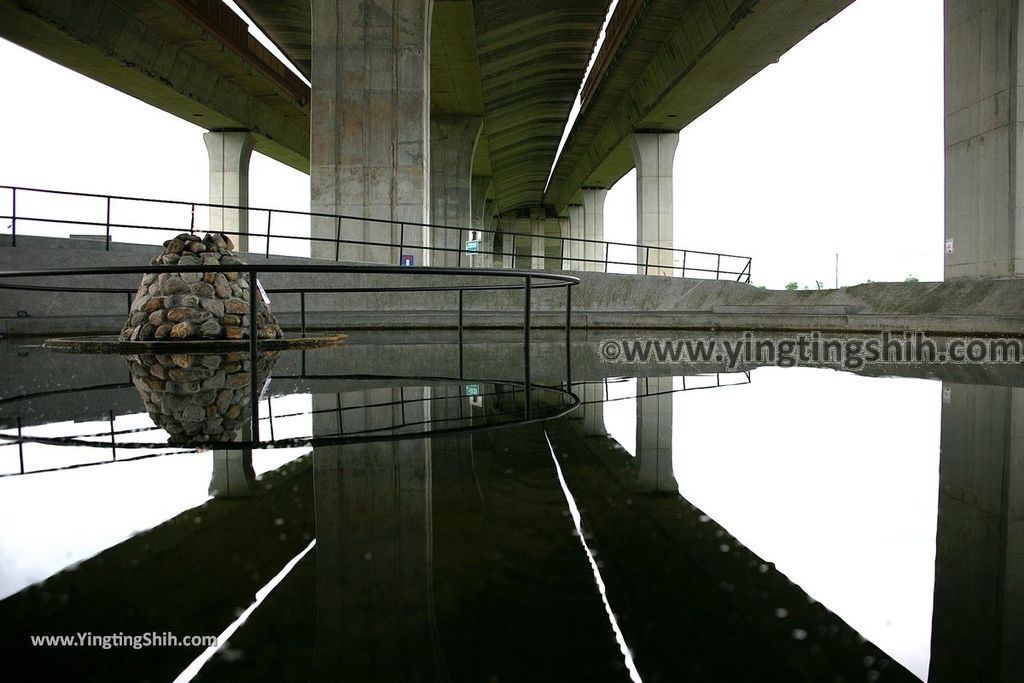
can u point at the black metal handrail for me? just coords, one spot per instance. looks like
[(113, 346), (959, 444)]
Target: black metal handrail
[(735, 267), (544, 281)]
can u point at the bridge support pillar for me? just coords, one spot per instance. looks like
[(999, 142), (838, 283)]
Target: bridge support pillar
[(576, 232), (654, 435), (593, 222), (653, 154), (984, 187), (538, 227), (452, 144), (481, 209), (369, 118), (229, 152)]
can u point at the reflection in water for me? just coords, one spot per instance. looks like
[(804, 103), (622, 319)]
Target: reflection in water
[(198, 398), (457, 555)]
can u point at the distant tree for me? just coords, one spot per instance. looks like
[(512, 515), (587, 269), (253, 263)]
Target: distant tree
[(792, 286), (911, 278)]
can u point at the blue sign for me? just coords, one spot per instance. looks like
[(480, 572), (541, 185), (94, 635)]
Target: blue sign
[(408, 260), (473, 246), (472, 390)]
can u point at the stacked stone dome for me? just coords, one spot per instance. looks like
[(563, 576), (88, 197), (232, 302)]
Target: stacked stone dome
[(191, 306)]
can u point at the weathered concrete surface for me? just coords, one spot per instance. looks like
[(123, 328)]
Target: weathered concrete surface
[(453, 141), (195, 60), (653, 154), (229, 152), (600, 301), (593, 227), (984, 159), (665, 63), (369, 129)]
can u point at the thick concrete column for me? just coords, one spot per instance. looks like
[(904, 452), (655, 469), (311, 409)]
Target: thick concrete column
[(229, 152), (369, 118), (233, 475), (563, 262), (481, 220), (978, 613), (653, 154), (984, 174), (593, 226), (654, 435), (538, 228), (452, 144), (576, 232)]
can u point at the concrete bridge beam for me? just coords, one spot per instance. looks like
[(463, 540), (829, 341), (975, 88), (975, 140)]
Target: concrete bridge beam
[(369, 118), (984, 192), (229, 152), (653, 154)]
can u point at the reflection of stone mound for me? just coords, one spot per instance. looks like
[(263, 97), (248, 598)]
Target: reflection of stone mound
[(198, 397), (181, 306)]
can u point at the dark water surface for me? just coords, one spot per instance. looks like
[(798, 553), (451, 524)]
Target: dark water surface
[(407, 510)]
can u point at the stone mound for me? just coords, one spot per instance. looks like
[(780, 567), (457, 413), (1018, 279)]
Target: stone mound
[(183, 306)]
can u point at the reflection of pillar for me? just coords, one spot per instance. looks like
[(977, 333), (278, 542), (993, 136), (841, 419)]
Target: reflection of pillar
[(229, 152), (233, 475), (653, 154), (978, 614), (593, 222), (452, 143), (654, 435), (576, 232), (592, 396), (374, 553), (369, 112)]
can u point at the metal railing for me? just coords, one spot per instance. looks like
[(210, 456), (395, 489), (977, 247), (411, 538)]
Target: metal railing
[(530, 281), (352, 238)]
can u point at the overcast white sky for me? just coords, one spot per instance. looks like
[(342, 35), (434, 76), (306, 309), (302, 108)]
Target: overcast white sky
[(837, 148)]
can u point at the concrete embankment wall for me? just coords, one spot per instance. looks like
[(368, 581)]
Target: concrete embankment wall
[(600, 301)]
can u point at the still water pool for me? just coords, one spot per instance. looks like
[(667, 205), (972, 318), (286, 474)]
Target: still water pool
[(411, 509)]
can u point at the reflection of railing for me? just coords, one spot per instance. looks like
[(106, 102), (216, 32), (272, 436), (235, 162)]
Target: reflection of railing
[(685, 262), (530, 281), (646, 391)]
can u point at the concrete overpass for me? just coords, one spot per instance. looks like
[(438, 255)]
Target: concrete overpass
[(452, 110)]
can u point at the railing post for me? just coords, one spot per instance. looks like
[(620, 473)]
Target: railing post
[(683, 273), (461, 299), (561, 252), (192, 221), (254, 398), (512, 258), (14, 216), (718, 267), (21, 447), (302, 311), (607, 246), (337, 240), (113, 441), (269, 214), (647, 260), (108, 224), (458, 262), (401, 240)]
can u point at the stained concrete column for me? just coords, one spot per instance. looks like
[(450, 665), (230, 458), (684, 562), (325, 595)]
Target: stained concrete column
[(233, 475), (369, 118), (481, 220), (653, 154), (487, 243), (984, 187), (654, 435), (593, 226), (229, 152), (538, 228), (576, 232), (978, 612), (452, 144)]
